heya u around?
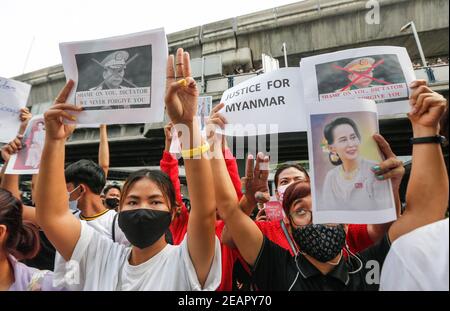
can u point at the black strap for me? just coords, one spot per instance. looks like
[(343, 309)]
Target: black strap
[(288, 237), (437, 139), (113, 229)]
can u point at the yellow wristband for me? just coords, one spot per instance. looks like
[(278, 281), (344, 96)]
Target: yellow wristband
[(195, 152)]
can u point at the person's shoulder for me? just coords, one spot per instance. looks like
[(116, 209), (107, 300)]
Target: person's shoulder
[(93, 233), (424, 237), (22, 272), (107, 217)]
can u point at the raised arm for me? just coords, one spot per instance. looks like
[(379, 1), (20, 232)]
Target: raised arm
[(232, 168), (181, 105), (230, 161), (246, 235), (255, 190), (10, 182), (169, 164), (52, 210), (103, 150), (427, 192)]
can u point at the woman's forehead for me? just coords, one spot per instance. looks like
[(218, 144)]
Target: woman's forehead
[(291, 172), (113, 190), (343, 129), (144, 187)]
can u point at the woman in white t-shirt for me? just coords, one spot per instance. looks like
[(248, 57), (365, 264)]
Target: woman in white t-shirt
[(352, 181), (94, 262)]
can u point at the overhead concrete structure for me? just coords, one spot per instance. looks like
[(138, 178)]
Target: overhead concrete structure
[(315, 27), (309, 27)]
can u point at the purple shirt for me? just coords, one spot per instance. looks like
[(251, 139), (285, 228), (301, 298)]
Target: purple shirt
[(31, 279)]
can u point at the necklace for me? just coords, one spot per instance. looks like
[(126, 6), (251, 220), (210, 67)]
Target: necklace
[(350, 175)]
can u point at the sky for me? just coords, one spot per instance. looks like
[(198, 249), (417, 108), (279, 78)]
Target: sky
[(32, 29)]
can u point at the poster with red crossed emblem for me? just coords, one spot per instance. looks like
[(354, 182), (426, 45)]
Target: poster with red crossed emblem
[(380, 73)]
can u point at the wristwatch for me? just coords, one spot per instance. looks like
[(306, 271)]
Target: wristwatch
[(436, 139)]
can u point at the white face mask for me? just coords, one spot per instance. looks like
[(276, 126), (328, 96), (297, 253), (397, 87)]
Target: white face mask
[(73, 205), (281, 190)]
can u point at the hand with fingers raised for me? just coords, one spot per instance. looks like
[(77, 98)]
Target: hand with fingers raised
[(55, 129), (391, 168), (181, 89), (427, 108), (255, 184)]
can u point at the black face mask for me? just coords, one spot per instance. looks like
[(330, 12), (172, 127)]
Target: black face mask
[(143, 227), (320, 241), (112, 203)]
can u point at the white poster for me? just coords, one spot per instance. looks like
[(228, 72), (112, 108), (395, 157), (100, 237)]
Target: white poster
[(28, 159), (342, 153), (118, 80), (380, 73), (266, 104), (13, 97)]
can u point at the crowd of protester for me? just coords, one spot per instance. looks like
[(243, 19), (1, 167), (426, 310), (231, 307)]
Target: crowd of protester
[(79, 233), (437, 61)]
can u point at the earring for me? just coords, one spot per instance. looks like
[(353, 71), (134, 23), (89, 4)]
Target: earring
[(334, 157)]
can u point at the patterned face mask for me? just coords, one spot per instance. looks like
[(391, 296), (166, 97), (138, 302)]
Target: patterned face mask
[(321, 242)]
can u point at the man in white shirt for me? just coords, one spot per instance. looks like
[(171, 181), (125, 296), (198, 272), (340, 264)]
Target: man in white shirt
[(419, 260), (85, 181)]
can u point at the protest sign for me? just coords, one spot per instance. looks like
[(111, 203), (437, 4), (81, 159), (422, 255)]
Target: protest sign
[(342, 153), (27, 160), (266, 104), (273, 210), (381, 73), (13, 97), (119, 79)]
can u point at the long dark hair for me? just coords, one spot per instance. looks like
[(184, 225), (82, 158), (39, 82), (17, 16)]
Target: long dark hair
[(329, 135), (159, 178), (23, 238)]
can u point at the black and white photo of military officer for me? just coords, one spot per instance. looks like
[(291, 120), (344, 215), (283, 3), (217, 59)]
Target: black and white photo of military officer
[(114, 66), (125, 68)]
